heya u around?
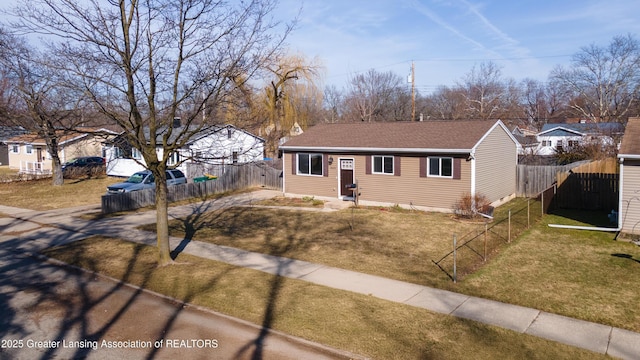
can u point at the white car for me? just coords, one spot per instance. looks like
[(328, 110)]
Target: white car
[(145, 180)]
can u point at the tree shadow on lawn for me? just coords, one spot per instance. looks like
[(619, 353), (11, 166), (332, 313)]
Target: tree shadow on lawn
[(234, 224), (585, 217), (626, 256)]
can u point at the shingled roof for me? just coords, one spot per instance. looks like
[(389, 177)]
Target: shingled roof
[(631, 140), (457, 136)]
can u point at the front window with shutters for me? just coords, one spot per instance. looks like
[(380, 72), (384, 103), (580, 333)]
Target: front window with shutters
[(440, 167), (382, 164), (310, 164)]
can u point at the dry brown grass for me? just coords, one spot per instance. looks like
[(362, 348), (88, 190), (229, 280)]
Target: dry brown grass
[(580, 274), (361, 324), (380, 241), (42, 195)]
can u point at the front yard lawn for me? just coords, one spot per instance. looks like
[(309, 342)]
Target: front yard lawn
[(582, 274), (357, 323), (42, 195)]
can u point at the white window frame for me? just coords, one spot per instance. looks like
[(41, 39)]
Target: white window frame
[(174, 158), (382, 167), (15, 149), (310, 157), (136, 154), (28, 149), (439, 175)]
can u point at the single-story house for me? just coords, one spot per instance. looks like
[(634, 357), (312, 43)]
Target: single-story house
[(629, 157), (28, 153), (204, 153), (6, 133), (429, 165), (556, 137)]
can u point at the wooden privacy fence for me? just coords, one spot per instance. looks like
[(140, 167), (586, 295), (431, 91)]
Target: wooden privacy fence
[(533, 179), (587, 191), (236, 177)]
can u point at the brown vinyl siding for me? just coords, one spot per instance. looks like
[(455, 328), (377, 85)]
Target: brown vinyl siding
[(408, 188), (496, 163), (630, 210), (312, 185)]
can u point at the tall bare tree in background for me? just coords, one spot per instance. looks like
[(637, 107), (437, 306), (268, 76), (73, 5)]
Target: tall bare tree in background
[(484, 91), (144, 63), (37, 97), (603, 82), (377, 96)]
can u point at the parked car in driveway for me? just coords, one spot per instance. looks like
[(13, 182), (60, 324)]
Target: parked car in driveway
[(145, 180), (84, 165)]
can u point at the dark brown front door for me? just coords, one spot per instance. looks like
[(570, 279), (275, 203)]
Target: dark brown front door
[(346, 176)]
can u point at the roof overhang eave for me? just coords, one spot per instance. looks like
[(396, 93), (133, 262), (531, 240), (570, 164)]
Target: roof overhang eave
[(374, 150), (629, 156)]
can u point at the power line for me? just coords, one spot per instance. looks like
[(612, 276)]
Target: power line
[(452, 60)]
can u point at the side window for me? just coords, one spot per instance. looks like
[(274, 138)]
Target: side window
[(29, 149), (15, 149), (440, 167)]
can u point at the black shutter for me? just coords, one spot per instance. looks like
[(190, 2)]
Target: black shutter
[(457, 167)]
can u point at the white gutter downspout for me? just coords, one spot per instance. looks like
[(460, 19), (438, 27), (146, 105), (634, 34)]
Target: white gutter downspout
[(593, 228), (284, 176), (620, 192), (473, 174)]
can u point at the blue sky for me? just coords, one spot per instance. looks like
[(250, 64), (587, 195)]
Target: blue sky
[(446, 38)]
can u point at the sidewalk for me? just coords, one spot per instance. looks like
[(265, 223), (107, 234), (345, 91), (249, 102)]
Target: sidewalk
[(599, 338)]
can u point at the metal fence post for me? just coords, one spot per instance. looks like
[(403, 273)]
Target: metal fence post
[(486, 231), (454, 258), (509, 237), (528, 213)]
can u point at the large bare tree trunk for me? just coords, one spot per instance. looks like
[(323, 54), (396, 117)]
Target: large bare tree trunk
[(162, 224)]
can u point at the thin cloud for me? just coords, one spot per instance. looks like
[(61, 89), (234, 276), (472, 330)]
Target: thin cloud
[(422, 9)]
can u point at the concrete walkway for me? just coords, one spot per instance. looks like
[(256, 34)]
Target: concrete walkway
[(599, 338)]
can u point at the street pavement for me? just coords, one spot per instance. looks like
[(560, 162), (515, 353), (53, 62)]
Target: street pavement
[(53, 311), (615, 342)]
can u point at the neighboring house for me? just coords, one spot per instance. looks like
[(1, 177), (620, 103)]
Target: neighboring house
[(557, 137), (219, 145), (6, 133), (629, 157), (527, 140), (429, 164), (28, 153)]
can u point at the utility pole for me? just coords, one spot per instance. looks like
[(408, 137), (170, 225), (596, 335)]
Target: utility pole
[(413, 91)]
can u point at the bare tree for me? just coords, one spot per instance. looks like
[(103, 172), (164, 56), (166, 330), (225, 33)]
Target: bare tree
[(484, 91), (333, 103), (445, 104), (37, 98), (604, 82), (376, 96), (144, 63)]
